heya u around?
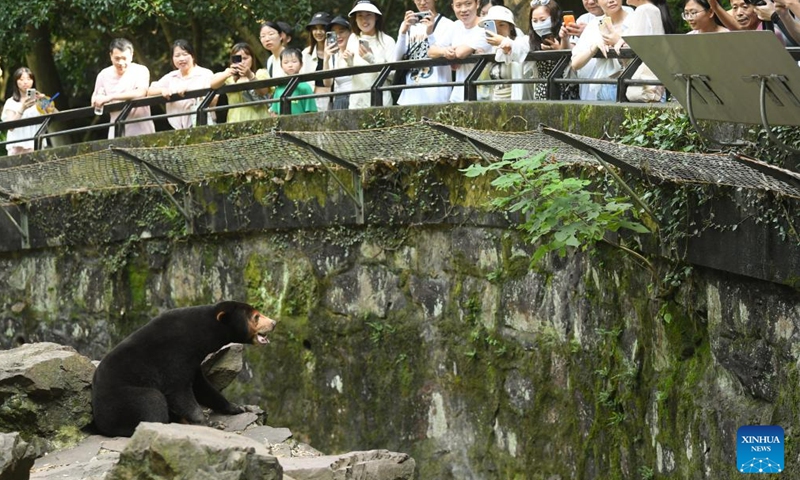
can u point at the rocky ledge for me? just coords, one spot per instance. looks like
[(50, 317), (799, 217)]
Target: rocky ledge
[(39, 379)]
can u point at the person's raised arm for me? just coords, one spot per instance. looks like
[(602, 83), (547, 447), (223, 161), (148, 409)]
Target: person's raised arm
[(328, 54), (727, 19), (791, 26)]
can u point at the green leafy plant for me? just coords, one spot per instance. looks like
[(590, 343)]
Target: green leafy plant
[(559, 211), (668, 129), (645, 473)]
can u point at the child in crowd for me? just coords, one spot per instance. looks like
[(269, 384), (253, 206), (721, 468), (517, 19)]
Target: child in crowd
[(292, 63)]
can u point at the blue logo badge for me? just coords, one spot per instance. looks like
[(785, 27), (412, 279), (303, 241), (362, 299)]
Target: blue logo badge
[(759, 449)]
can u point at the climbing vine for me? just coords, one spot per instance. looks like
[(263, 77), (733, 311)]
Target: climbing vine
[(558, 211)]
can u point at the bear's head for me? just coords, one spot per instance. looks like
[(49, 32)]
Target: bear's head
[(247, 323)]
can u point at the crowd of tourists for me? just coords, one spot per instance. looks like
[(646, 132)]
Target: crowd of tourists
[(361, 38)]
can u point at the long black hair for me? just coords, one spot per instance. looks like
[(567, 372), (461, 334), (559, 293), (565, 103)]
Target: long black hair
[(555, 19), (666, 16), (18, 73)]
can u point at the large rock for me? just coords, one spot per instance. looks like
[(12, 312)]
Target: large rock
[(369, 465), (92, 459), (173, 451), (45, 390), (224, 365), (16, 457)]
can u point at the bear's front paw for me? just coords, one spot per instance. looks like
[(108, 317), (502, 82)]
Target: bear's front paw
[(253, 408), (233, 409)]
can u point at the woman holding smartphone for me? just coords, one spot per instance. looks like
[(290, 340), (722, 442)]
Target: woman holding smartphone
[(314, 53), (23, 104), (369, 45), (338, 56), (545, 25), (510, 51), (241, 70)]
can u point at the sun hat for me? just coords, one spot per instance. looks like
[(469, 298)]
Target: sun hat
[(499, 14), (338, 20), (365, 6), (319, 18)]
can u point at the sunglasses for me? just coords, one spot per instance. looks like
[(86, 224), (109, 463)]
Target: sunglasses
[(536, 3)]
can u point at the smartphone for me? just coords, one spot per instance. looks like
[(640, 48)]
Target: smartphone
[(30, 93), (236, 59), (490, 26), (569, 17), (330, 38), (422, 15), (364, 44)]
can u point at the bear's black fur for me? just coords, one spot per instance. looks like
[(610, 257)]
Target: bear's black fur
[(154, 374)]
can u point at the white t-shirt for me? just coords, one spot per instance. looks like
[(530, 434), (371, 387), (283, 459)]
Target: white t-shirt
[(588, 70), (382, 47), (475, 38), (20, 132), (341, 84), (596, 67), (440, 74)]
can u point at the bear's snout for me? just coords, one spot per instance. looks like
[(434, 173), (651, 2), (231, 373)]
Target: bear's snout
[(264, 325)]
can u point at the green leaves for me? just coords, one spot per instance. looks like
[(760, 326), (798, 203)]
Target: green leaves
[(662, 129), (558, 212)]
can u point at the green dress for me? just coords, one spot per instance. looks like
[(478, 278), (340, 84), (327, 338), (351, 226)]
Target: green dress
[(243, 114)]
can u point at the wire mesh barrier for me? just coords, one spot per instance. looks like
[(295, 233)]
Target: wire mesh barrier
[(416, 142)]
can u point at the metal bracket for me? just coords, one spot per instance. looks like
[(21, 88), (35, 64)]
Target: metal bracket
[(477, 145), (770, 85), (119, 127), (358, 195), (186, 209), (696, 83), (38, 141), (22, 226)]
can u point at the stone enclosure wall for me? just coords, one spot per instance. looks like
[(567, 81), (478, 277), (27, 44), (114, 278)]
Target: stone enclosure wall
[(425, 329), (435, 337)]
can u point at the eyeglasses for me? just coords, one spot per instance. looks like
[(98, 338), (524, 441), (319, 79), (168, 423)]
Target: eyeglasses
[(690, 14), (536, 3)]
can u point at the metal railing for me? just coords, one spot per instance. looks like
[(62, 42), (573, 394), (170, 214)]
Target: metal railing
[(554, 80)]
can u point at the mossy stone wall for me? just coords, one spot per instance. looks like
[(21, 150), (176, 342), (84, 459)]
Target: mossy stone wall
[(440, 341)]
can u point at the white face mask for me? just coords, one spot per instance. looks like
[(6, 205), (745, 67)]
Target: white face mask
[(545, 27)]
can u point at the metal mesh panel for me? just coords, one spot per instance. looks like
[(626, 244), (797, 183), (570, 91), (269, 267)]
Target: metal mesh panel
[(530, 141), (418, 141), (98, 170), (413, 142), (200, 161), (700, 168)]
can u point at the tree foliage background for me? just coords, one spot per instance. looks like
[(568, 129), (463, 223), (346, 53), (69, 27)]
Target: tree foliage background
[(65, 42)]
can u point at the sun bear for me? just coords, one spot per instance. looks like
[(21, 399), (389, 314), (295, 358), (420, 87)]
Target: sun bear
[(154, 374)]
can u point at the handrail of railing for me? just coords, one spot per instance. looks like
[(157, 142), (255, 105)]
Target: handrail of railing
[(384, 71)]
